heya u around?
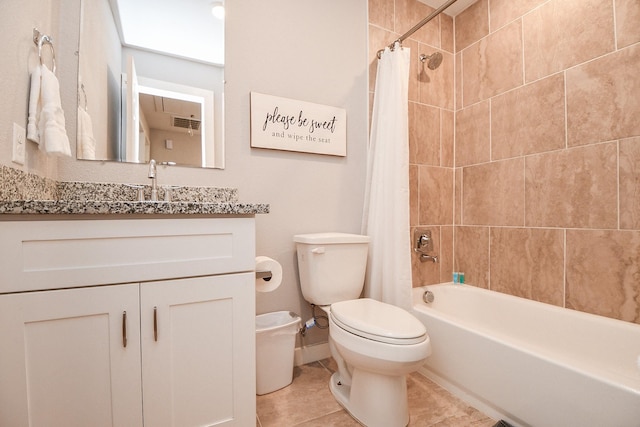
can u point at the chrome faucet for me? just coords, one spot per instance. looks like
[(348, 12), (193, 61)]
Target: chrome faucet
[(423, 244), (154, 185)]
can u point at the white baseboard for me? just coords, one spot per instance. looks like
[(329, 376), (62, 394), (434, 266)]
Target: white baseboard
[(311, 353)]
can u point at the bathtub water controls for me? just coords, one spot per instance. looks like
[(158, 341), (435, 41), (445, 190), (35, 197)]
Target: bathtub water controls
[(423, 243)]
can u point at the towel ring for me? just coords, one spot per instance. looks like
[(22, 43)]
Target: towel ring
[(40, 39)]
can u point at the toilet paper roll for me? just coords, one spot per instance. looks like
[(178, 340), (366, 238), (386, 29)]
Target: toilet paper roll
[(264, 263)]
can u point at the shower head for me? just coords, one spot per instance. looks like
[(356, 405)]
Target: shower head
[(433, 61)]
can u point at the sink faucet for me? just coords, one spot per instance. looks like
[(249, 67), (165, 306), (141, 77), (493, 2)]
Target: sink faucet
[(154, 184)]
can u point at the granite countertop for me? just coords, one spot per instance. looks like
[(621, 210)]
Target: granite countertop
[(27, 194), (75, 207)]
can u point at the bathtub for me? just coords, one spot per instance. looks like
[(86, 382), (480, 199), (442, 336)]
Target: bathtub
[(530, 363)]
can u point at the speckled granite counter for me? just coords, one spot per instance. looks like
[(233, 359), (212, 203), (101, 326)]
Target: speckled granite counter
[(28, 194), (74, 207)]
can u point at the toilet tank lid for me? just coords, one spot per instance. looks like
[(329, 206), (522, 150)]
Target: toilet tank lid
[(328, 238)]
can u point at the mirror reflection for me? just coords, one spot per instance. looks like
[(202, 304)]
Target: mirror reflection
[(152, 112)]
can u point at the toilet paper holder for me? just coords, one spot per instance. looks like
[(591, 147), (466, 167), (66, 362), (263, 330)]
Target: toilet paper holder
[(265, 275)]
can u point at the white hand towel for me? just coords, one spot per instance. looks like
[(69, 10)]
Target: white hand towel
[(86, 145), (53, 136), (34, 106)]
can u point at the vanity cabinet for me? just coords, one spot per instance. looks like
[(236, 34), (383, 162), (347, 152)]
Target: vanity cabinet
[(136, 322)]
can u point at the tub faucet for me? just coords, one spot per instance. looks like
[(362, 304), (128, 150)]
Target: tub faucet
[(423, 244), (426, 257), (154, 185)]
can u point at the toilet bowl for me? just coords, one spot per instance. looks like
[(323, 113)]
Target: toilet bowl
[(374, 344)]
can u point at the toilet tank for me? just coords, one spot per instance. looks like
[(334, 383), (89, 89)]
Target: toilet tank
[(331, 266)]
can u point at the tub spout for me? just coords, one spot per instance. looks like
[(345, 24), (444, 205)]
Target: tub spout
[(425, 258)]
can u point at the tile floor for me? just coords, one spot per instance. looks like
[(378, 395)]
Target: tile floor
[(308, 402)]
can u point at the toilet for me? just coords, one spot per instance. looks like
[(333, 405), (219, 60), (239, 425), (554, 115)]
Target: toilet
[(374, 344)]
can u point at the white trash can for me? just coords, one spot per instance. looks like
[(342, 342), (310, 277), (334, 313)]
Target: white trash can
[(275, 345)]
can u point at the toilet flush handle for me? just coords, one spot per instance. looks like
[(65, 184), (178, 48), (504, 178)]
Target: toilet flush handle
[(319, 250)]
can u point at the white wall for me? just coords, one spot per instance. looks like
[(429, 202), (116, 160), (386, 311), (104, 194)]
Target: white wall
[(312, 51), (309, 50), (60, 20)]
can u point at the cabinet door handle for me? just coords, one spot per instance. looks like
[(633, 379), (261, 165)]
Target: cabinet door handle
[(155, 323), (124, 329)]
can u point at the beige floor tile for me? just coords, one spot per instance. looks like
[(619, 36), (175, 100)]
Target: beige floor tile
[(307, 402), (307, 398)]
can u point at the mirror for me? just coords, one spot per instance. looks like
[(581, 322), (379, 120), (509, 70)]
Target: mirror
[(170, 123), (178, 89)]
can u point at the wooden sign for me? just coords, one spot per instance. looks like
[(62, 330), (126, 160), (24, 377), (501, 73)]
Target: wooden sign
[(291, 125)]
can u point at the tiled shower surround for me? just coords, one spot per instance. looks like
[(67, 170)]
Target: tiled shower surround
[(525, 146)]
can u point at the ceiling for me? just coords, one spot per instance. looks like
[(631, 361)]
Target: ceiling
[(452, 10), (184, 28), (187, 29)]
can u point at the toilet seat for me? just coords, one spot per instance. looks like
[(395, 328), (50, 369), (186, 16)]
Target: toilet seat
[(378, 321)]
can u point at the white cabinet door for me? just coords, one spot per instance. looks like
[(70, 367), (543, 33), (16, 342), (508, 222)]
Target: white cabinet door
[(63, 362), (198, 351)]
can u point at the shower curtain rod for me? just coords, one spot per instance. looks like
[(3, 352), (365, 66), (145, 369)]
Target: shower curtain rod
[(418, 25)]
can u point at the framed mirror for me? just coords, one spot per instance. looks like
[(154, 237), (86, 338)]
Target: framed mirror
[(177, 91)]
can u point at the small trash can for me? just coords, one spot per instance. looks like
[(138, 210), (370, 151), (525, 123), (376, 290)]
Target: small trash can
[(275, 345)]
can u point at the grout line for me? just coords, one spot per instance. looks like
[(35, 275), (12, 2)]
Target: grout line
[(618, 181), (566, 111), (564, 271), (489, 260)]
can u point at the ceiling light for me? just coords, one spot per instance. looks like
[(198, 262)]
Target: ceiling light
[(217, 10)]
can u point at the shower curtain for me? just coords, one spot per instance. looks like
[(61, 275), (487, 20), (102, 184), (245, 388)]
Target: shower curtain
[(386, 205)]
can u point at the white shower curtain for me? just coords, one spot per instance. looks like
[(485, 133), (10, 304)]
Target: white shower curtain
[(386, 205)]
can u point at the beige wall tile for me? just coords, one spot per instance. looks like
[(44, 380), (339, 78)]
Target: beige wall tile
[(436, 86), (382, 13), (630, 183), (472, 24), (528, 263), (436, 195), (493, 193), (446, 138), (424, 134), (627, 22), (529, 119), (602, 98), (502, 12), (575, 188), (493, 65), (603, 273), (457, 197), (414, 70), (446, 253), (472, 254), (472, 135), (458, 80), (409, 13), (561, 33), (414, 195), (446, 33)]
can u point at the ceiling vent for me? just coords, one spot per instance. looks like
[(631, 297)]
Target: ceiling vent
[(186, 123)]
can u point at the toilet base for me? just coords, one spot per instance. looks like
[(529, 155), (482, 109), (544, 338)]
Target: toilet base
[(373, 400)]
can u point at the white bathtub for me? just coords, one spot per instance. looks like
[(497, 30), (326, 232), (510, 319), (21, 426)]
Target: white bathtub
[(530, 363)]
